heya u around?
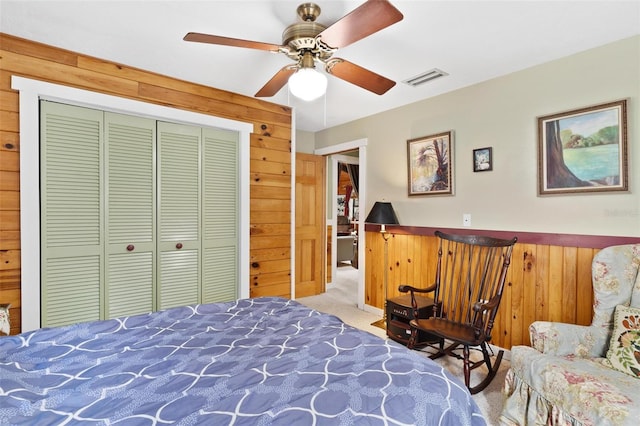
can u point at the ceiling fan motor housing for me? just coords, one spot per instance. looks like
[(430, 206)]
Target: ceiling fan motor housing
[(301, 36), (308, 11)]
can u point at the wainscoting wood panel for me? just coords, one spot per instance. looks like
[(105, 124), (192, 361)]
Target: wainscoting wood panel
[(544, 282), (270, 164)]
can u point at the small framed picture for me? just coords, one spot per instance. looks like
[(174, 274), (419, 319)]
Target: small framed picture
[(482, 160)]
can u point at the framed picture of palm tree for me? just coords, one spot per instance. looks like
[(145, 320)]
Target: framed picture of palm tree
[(430, 164), (583, 150)]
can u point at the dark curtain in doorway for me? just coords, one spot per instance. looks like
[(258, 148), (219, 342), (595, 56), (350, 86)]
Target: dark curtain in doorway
[(354, 173)]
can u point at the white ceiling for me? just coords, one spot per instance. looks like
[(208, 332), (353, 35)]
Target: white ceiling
[(472, 41)]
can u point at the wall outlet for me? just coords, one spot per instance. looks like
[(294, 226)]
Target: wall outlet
[(466, 219)]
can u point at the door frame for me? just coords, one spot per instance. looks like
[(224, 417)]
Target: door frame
[(333, 189), (361, 146)]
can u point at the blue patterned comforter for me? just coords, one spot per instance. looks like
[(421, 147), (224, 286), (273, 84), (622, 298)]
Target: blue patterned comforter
[(250, 362)]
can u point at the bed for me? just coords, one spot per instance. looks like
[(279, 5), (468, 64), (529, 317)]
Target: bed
[(248, 362)]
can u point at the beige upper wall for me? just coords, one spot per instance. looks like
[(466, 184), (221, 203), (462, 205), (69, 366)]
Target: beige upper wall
[(305, 142), (501, 113)]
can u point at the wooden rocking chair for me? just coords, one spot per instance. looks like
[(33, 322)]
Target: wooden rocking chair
[(470, 276)]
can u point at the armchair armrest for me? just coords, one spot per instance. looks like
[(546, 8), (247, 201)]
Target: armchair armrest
[(556, 338)]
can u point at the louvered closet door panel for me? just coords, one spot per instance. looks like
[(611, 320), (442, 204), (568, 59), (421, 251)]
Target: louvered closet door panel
[(130, 285), (130, 214), (73, 290), (220, 215), (178, 214), (71, 224), (180, 276)]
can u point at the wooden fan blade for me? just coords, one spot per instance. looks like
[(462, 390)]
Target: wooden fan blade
[(366, 19), (359, 76), (277, 82), (228, 41)]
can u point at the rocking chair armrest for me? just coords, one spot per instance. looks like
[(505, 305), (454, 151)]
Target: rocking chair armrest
[(404, 288), (486, 306)]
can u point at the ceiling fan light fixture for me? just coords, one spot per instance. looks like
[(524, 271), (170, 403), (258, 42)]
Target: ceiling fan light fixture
[(308, 84)]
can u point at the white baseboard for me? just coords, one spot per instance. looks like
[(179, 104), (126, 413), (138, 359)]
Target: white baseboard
[(373, 310)]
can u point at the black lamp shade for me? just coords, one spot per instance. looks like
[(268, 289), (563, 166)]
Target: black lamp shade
[(382, 213)]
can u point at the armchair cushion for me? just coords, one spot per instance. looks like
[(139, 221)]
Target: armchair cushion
[(624, 348), (556, 338), (544, 389)]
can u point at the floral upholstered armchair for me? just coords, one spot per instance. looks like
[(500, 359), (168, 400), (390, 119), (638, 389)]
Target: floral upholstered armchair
[(584, 375)]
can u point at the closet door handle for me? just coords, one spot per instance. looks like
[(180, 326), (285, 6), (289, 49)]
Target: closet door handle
[(179, 246), (130, 247)]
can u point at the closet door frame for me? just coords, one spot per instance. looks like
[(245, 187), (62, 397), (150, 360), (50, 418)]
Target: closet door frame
[(31, 92)]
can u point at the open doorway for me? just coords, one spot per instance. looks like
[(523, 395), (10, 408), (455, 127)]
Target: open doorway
[(346, 210), (332, 154)]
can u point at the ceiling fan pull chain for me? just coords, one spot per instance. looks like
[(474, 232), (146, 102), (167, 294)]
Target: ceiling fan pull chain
[(325, 109)]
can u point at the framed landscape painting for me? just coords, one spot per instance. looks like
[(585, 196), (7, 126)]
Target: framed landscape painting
[(430, 164), (584, 150)]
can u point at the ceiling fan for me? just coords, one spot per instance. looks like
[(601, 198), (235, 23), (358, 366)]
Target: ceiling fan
[(308, 42)]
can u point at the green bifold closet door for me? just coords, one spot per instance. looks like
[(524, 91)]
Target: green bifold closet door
[(136, 214)]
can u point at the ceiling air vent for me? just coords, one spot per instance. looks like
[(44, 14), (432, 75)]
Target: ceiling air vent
[(425, 77)]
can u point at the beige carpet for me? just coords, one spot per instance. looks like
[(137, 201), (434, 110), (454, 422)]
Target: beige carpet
[(340, 300)]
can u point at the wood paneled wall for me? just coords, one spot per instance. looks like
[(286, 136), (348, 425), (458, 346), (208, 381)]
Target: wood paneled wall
[(270, 192), (544, 282)]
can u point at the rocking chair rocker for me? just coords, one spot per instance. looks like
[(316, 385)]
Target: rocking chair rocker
[(470, 276)]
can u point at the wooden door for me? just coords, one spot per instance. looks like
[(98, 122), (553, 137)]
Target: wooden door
[(310, 225)]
